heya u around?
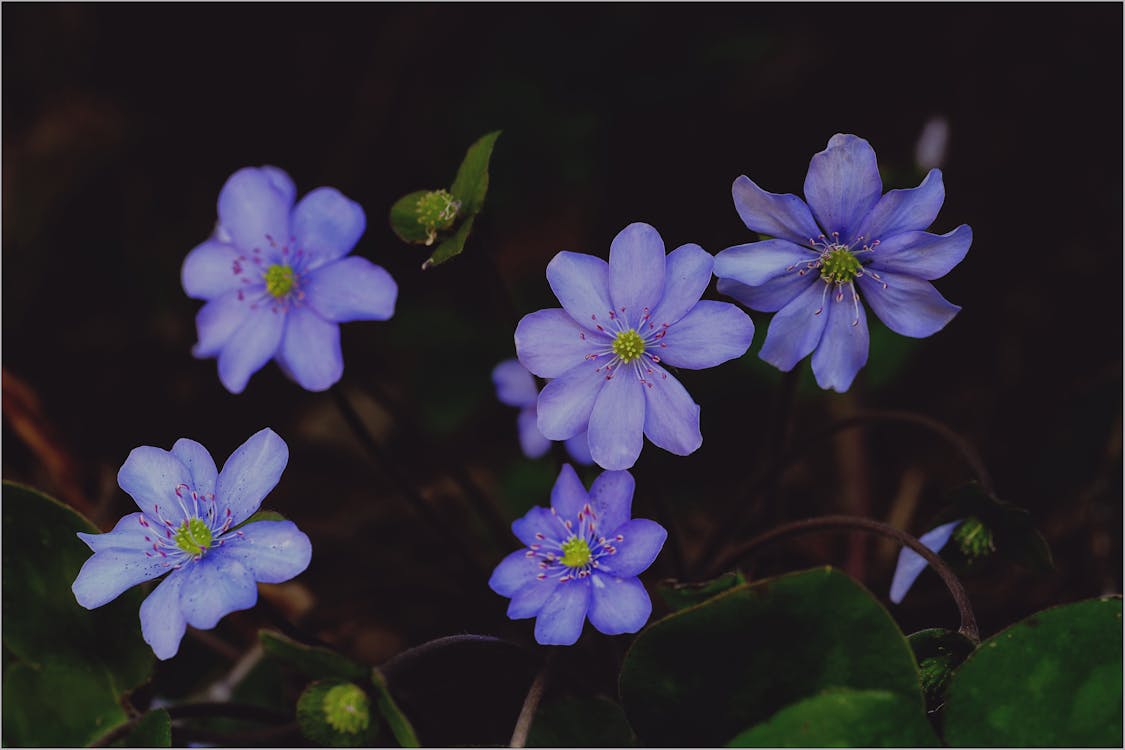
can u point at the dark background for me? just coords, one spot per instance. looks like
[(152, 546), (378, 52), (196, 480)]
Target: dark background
[(121, 123)]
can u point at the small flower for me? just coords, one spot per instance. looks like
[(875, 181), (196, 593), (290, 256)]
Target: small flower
[(620, 323), (278, 280), (910, 564), (582, 558), (189, 526), (853, 238), (515, 386)]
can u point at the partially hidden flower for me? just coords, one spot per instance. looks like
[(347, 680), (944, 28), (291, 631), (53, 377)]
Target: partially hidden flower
[(910, 564), (581, 559), (515, 386), (606, 349), (278, 280), (188, 526), (848, 238)]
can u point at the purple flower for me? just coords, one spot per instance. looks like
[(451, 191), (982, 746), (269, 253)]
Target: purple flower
[(849, 237), (277, 280), (515, 386), (605, 348), (911, 564), (582, 559), (189, 526)]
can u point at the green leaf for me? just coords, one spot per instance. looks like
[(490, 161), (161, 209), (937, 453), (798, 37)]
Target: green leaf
[(316, 706), (938, 652), (400, 726), (154, 729), (581, 722), (471, 183), (58, 647), (679, 595), (315, 662), (702, 675), (1051, 680), (844, 717), (451, 246), (404, 219), (1013, 533)]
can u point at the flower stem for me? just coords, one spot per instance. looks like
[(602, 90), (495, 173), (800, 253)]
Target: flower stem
[(392, 470), (531, 704), (849, 523), (404, 659)]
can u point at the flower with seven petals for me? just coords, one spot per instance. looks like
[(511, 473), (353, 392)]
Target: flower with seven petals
[(848, 238), (278, 280), (582, 559), (515, 386), (188, 526), (606, 349)]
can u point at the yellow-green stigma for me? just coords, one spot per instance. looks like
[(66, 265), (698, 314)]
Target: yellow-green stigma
[(347, 709), (576, 552), (839, 266), (193, 537), (628, 345), (280, 280)]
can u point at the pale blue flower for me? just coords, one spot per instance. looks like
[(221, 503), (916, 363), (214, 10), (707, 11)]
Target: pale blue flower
[(515, 386)]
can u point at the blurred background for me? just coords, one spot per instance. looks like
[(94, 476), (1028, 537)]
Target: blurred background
[(122, 122)]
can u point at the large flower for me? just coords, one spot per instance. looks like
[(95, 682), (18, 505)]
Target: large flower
[(605, 349), (582, 559), (515, 386), (189, 526), (277, 282), (848, 238)]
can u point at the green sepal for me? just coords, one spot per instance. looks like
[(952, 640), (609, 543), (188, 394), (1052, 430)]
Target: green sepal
[(471, 183), (399, 725), (313, 717), (451, 246), (315, 662), (404, 219)]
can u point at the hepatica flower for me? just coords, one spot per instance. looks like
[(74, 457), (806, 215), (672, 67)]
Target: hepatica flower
[(278, 280), (188, 527), (606, 349), (515, 386), (847, 239), (581, 559)]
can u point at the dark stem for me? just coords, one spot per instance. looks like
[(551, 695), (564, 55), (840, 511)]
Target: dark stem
[(264, 737), (392, 470), (762, 486), (531, 704), (849, 523), (209, 710), (410, 655)]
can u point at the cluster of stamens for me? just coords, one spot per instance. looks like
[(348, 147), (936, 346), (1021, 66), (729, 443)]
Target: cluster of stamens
[(628, 345), (203, 528), (839, 266), (280, 275), (576, 552)]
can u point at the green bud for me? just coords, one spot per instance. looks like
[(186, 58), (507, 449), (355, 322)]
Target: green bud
[(347, 709), (974, 539), (935, 671), (436, 211)]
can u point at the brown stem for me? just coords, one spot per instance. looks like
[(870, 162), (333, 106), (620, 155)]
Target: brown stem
[(836, 523), (531, 704)]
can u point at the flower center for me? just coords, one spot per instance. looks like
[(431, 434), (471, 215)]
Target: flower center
[(193, 537), (280, 280), (346, 709), (838, 265), (628, 345), (576, 552)]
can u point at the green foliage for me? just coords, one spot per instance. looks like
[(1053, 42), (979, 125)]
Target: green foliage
[(938, 652), (1053, 679), (154, 729), (679, 595), (422, 216), (336, 713), (581, 722), (843, 717), (400, 726), (704, 674), (66, 667), (314, 662)]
